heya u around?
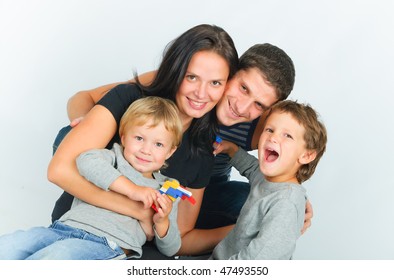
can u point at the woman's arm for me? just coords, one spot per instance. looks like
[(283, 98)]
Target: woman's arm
[(95, 131), (83, 101), (196, 241)]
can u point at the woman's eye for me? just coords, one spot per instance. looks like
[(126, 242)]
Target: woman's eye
[(191, 77)]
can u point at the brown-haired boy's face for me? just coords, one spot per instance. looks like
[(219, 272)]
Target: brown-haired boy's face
[(246, 97), (281, 148)]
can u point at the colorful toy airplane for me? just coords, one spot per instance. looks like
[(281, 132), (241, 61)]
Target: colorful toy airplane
[(174, 190)]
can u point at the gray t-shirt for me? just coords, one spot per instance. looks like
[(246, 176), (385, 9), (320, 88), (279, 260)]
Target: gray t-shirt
[(102, 167), (270, 221)]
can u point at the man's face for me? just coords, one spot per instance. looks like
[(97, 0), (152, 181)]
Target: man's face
[(246, 97)]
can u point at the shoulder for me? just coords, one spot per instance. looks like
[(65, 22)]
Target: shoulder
[(289, 193), (118, 99), (123, 93)]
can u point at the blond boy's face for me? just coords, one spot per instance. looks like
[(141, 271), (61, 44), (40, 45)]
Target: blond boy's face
[(146, 148), (282, 148)]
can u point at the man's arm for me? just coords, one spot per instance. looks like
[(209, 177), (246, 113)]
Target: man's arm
[(83, 101)]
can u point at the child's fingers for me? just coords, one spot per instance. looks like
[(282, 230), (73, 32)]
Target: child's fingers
[(165, 203), (150, 199)]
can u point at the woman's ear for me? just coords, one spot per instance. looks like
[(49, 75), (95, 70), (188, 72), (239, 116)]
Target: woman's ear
[(307, 157)]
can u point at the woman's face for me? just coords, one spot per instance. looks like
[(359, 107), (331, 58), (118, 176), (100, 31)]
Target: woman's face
[(203, 85), (246, 97)]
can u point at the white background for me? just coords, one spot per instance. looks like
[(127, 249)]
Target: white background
[(343, 53)]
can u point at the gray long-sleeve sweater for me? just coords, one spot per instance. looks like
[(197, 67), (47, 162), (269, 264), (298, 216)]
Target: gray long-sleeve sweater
[(270, 221), (102, 167)]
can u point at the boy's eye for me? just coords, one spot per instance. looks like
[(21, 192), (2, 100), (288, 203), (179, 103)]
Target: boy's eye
[(138, 138), (288, 136), (269, 130), (159, 145)]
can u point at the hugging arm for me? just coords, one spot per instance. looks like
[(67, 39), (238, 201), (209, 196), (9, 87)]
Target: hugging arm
[(197, 241), (98, 167), (94, 132), (83, 101)]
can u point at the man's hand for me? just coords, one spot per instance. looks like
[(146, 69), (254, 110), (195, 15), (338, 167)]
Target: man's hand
[(76, 121), (308, 216)]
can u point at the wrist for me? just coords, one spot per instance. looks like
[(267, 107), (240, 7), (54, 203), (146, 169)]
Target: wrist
[(161, 227)]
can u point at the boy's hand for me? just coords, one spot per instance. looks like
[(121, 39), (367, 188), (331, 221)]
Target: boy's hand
[(146, 195), (160, 219), (226, 147)]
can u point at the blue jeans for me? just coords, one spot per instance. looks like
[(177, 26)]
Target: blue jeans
[(57, 242), (63, 204)]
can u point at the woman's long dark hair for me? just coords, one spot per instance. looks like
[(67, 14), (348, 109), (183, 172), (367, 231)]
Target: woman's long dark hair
[(173, 67)]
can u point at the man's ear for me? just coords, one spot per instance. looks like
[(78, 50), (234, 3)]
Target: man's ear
[(171, 152), (307, 156)]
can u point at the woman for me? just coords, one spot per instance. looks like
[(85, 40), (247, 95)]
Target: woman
[(193, 74)]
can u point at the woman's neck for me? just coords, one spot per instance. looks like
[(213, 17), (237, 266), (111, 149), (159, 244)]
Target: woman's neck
[(186, 121)]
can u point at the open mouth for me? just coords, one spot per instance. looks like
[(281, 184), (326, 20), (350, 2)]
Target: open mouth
[(271, 155)]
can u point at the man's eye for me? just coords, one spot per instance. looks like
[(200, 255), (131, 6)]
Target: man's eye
[(260, 106), (216, 83)]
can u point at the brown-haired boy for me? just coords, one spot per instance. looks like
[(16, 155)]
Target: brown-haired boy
[(270, 222)]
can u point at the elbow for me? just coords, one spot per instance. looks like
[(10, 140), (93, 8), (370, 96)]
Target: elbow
[(55, 172)]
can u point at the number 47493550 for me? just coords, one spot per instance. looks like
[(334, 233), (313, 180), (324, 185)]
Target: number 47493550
[(240, 270)]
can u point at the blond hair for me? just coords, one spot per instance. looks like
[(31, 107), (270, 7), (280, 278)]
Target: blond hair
[(155, 109), (315, 136)]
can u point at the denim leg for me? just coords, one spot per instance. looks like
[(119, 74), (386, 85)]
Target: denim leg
[(222, 203), (63, 204), (60, 136), (77, 244), (21, 244)]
